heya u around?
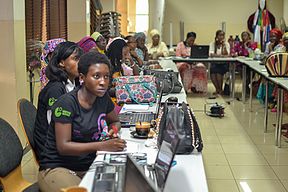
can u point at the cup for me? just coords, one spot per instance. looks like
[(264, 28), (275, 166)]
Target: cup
[(143, 128)]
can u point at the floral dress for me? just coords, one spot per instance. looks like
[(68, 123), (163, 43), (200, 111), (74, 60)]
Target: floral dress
[(194, 76)]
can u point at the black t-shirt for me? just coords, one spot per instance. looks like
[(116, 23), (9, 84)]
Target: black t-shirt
[(87, 126), (47, 97)]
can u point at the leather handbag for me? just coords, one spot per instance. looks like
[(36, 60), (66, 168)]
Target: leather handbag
[(135, 89), (166, 80), (186, 124)]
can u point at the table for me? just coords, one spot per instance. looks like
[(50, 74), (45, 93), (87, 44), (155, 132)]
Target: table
[(187, 175), (280, 82)]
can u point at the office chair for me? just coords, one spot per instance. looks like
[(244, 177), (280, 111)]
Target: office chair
[(27, 113), (11, 152)]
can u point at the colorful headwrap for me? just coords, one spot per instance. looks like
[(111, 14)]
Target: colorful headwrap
[(277, 32), (49, 47), (285, 36), (154, 32), (96, 35), (87, 43), (139, 35)]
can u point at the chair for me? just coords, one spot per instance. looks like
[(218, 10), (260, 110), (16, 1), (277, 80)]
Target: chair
[(27, 113), (11, 152)]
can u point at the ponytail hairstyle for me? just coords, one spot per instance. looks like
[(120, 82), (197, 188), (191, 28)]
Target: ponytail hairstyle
[(53, 71)]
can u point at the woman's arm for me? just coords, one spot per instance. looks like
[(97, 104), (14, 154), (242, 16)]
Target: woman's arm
[(113, 120), (67, 147)]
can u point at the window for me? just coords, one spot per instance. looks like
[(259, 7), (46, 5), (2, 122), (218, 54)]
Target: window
[(56, 19), (142, 15)]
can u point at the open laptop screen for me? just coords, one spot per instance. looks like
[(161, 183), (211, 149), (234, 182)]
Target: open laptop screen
[(135, 179), (199, 51), (166, 154)]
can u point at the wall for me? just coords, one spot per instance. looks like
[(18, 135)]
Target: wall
[(13, 77), (108, 5), (205, 20), (77, 23), (157, 14), (285, 11)]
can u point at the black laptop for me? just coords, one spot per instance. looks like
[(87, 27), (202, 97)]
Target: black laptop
[(130, 176), (199, 51)]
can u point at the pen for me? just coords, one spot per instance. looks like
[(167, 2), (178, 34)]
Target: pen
[(115, 130)]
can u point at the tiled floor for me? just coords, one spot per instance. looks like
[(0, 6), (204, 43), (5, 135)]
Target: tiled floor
[(238, 156)]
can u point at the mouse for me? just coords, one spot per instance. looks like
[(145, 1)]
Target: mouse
[(173, 99)]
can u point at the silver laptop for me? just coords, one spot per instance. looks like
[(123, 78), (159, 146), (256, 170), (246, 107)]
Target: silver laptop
[(129, 119)]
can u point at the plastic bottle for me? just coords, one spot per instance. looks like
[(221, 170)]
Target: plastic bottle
[(231, 43)]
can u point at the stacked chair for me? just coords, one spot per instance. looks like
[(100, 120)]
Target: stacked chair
[(110, 24)]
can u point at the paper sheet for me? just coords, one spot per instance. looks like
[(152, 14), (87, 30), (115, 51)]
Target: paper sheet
[(132, 147)]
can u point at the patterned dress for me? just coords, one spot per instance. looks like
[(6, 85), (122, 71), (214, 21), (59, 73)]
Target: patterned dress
[(194, 76)]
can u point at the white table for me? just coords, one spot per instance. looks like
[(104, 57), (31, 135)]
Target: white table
[(187, 175)]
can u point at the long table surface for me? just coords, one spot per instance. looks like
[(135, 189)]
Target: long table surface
[(187, 175)]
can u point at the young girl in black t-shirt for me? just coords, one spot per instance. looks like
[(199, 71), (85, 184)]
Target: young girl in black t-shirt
[(79, 119), (61, 72)]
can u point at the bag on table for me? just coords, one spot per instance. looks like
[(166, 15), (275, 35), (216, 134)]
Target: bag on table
[(166, 80), (135, 89), (186, 125)]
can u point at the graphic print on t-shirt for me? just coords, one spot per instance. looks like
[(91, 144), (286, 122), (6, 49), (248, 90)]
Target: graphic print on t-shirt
[(102, 127)]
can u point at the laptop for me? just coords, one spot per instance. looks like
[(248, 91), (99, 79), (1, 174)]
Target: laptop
[(129, 119), (120, 176), (199, 51)]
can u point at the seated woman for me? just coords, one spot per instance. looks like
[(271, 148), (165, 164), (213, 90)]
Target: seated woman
[(48, 49), (246, 46), (132, 45), (119, 54), (274, 45), (87, 43), (81, 122), (219, 48), (61, 72), (141, 48), (100, 42), (194, 76), (157, 48)]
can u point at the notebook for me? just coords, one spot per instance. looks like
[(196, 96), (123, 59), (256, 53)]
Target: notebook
[(199, 51), (129, 119), (125, 176)]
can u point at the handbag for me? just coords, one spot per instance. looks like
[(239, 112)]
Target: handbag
[(186, 124), (277, 64), (166, 80), (135, 89)]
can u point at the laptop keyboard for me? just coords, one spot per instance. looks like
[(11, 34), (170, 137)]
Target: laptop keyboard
[(130, 119), (109, 178)]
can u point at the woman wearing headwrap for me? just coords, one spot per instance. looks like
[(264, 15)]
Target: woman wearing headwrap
[(194, 76), (157, 48), (48, 49), (100, 42), (274, 44), (87, 43)]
